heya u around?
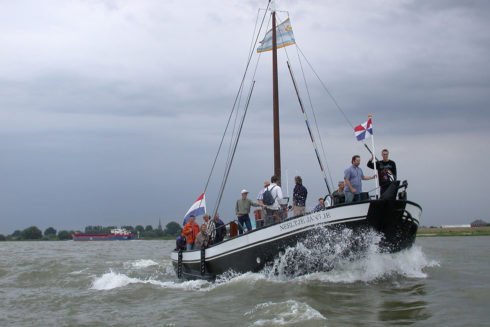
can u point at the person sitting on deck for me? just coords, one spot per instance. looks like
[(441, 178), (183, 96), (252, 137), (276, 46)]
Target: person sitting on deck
[(180, 243), (191, 229), (339, 195), (202, 239), (320, 205)]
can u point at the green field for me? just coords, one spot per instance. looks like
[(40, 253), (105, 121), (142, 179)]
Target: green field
[(454, 231)]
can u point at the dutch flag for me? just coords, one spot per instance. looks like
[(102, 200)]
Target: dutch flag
[(198, 208), (364, 130)]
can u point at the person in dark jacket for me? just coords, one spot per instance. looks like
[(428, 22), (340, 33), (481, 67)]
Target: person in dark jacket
[(386, 170), (299, 197), (220, 229), (180, 243), (339, 195)]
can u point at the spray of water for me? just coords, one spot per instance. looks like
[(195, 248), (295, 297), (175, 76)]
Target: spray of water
[(324, 250), (331, 256)]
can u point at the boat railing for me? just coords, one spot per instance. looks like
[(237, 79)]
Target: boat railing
[(232, 228)]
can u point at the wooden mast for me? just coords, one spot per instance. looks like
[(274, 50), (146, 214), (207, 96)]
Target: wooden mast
[(275, 92)]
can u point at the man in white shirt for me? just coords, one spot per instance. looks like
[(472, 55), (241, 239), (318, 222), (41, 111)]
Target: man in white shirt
[(274, 208)]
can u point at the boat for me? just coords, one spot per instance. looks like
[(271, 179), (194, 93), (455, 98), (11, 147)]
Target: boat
[(391, 216), (116, 234)]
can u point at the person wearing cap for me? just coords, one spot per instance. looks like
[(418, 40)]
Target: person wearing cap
[(242, 210)]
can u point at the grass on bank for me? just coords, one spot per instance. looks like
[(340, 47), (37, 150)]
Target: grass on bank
[(454, 231)]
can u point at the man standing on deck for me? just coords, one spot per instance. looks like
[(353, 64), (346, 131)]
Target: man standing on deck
[(299, 197), (242, 210), (220, 229), (386, 170), (273, 209), (353, 177), (191, 229), (210, 227), (263, 212)]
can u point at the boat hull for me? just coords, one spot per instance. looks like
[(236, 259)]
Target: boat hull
[(396, 221)]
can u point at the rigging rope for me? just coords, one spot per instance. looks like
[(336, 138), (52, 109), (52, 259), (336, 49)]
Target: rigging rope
[(326, 89), (238, 96), (228, 168), (314, 117), (309, 130), (306, 120)]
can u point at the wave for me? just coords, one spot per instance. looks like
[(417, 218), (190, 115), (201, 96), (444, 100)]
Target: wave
[(113, 280), (375, 267), (283, 313), (142, 263), (329, 256), (343, 256)]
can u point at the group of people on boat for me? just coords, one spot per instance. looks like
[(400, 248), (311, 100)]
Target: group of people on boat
[(350, 188), (274, 207), (193, 237)]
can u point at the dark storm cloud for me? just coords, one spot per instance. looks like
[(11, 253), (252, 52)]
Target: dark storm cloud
[(111, 111)]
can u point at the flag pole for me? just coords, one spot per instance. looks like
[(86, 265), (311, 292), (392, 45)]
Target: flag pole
[(374, 159)]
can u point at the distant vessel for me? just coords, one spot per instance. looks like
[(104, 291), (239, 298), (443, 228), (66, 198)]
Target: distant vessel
[(115, 234)]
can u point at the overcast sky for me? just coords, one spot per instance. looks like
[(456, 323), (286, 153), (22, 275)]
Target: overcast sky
[(111, 112)]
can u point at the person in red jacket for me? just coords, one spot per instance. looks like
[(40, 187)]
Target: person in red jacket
[(191, 229)]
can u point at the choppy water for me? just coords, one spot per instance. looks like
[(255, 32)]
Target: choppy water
[(439, 282)]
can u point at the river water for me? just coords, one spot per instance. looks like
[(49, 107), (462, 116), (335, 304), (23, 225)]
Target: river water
[(440, 281)]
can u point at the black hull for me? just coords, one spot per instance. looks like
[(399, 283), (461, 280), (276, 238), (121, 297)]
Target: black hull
[(392, 218)]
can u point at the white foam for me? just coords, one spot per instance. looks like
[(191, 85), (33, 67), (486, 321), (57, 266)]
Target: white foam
[(343, 257), (143, 263), (78, 272), (375, 266), (112, 280), (283, 313)]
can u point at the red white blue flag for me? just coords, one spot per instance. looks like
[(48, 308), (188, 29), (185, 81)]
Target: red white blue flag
[(198, 208), (364, 130)]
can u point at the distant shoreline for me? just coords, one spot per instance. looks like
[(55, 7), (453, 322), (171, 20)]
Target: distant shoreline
[(421, 232), (453, 231)]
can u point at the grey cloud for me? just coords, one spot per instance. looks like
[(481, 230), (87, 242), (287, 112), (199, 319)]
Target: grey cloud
[(111, 112)]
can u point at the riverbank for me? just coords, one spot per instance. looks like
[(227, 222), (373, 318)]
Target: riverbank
[(454, 231)]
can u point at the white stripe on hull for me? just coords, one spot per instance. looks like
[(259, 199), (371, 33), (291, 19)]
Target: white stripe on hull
[(287, 228)]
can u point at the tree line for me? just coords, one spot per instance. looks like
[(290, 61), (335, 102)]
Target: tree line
[(148, 232)]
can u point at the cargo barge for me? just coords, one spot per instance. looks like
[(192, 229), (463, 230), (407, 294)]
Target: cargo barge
[(115, 235)]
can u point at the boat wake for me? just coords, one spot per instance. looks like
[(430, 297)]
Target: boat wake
[(325, 256), (324, 250), (342, 256)]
